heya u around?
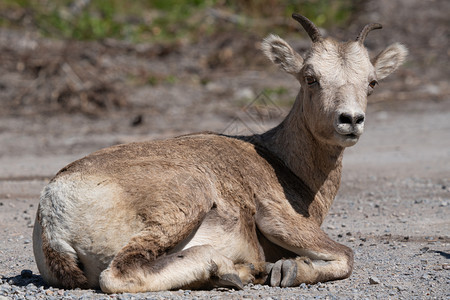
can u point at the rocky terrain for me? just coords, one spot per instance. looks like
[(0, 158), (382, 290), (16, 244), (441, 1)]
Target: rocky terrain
[(62, 100)]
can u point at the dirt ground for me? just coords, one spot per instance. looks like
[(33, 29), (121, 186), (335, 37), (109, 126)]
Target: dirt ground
[(392, 209)]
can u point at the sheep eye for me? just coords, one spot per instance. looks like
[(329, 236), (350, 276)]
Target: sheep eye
[(310, 80), (373, 83)]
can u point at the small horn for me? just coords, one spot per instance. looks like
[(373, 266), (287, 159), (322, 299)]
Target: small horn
[(309, 26), (368, 28)]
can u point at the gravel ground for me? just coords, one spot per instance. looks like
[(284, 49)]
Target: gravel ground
[(394, 203), (392, 210)]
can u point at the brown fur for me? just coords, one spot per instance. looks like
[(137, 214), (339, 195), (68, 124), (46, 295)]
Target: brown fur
[(208, 210)]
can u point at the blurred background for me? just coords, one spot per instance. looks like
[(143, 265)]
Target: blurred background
[(140, 69)]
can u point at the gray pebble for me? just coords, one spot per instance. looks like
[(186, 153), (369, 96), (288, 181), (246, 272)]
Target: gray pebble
[(374, 280), (425, 276)]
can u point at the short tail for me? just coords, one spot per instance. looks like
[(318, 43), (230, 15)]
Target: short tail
[(57, 268)]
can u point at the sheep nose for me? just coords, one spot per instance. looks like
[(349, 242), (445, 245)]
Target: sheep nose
[(351, 119)]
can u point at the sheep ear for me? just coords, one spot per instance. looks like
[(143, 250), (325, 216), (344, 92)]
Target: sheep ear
[(389, 60), (281, 54)]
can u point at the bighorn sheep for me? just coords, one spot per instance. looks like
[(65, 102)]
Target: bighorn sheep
[(206, 210)]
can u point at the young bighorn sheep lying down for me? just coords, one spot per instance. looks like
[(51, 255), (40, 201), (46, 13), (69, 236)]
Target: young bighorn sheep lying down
[(208, 210)]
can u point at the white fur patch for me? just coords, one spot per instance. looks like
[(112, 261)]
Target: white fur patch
[(83, 216)]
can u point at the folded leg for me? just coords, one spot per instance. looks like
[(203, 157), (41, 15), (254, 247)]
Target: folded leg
[(323, 260), (197, 267)]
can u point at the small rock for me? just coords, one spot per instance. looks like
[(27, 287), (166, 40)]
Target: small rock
[(244, 93), (137, 120), (216, 87), (26, 273), (374, 280), (402, 288), (432, 89)]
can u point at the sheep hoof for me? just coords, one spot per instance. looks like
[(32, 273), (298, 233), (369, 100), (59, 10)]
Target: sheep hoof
[(282, 273), (289, 270), (275, 275), (230, 281)]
